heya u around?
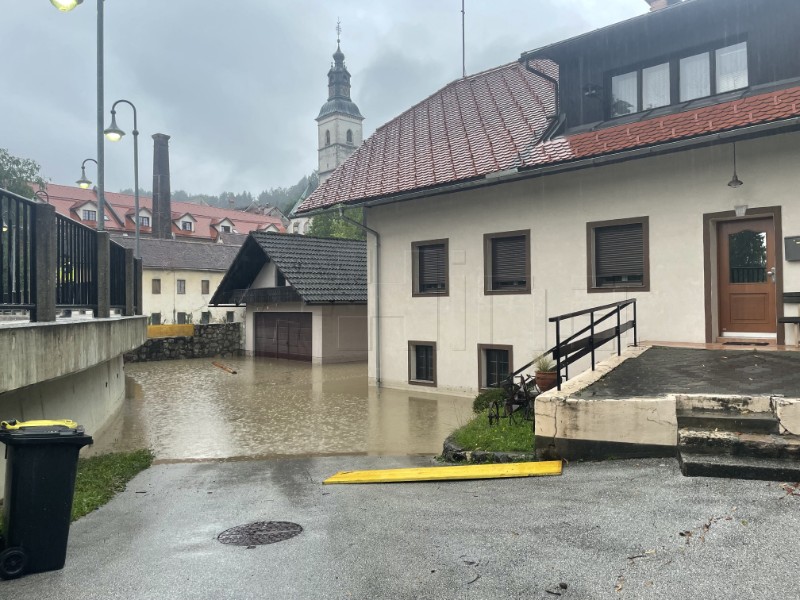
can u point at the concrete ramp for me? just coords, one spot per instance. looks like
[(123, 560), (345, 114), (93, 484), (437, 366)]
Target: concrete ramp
[(496, 471)]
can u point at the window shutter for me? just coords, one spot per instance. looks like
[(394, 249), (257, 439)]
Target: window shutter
[(619, 251), (432, 268), (508, 262)]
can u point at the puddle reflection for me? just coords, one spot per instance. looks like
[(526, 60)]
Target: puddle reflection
[(189, 409)]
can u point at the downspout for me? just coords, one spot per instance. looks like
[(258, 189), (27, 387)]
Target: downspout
[(377, 289), (555, 119)]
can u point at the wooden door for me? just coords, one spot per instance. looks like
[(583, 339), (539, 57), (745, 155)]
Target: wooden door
[(747, 273), (283, 335)]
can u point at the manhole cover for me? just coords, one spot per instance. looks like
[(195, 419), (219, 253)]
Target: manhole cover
[(259, 533)]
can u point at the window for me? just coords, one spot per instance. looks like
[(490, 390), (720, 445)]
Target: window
[(181, 318), (429, 268), (639, 90), (155, 319), (328, 138), (422, 363), (204, 286), (186, 226), (349, 136), (89, 215), (280, 280), (225, 228), (625, 94), (156, 286), (655, 86), (296, 227), (144, 221), (205, 318), (181, 286), (695, 76), (507, 263), (731, 68), (618, 255), (229, 316), (494, 364)]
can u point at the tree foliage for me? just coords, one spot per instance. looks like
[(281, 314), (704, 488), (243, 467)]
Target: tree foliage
[(16, 174), (330, 225)]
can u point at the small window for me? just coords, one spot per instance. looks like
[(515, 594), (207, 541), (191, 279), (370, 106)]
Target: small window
[(695, 76), (625, 94), (181, 286), (655, 86), (430, 268), (280, 280), (618, 255), (229, 316), (296, 227), (495, 364), (204, 286), (225, 228), (144, 221), (181, 318), (507, 263), (205, 318), (186, 226), (422, 363), (349, 136), (732, 68), (306, 227), (155, 319), (156, 289), (89, 215), (327, 138)]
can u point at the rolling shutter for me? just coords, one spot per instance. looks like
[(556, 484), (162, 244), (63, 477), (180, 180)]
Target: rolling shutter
[(432, 268), (619, 252), (509, 262)]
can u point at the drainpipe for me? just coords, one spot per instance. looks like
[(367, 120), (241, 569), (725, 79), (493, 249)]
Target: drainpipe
[(555, 118), (377, 289)]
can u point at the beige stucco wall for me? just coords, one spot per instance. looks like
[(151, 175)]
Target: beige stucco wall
[(169, 303), (674, 191)]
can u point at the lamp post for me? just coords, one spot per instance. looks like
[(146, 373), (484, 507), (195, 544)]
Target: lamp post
[(114, 134), (84, 182), (66, 6)]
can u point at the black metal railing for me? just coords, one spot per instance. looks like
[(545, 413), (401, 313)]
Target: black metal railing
[(76, 264), (587, 340), (48, 262), (17, 267)]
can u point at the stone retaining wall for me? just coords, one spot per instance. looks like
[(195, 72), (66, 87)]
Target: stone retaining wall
[(208, 341)]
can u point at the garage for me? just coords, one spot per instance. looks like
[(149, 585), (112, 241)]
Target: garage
[(283, 335)]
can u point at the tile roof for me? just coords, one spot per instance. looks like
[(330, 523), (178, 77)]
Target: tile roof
[(180, 254), (67, 199), (494, 121), (321, 270)]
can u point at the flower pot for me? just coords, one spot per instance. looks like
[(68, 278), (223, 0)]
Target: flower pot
[(546, 380)]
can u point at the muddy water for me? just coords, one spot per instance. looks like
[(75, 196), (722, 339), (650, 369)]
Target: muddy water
[(190, 409)]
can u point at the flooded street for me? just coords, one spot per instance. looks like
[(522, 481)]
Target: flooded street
[(190, 409)]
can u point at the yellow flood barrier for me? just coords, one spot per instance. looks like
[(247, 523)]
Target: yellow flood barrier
[(163, 331), (493, 471)]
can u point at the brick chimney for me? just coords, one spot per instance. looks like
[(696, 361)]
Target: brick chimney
[(659, 4), (162, 200)]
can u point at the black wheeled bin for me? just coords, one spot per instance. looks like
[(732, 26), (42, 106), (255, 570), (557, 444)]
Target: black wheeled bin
[(41, 463)]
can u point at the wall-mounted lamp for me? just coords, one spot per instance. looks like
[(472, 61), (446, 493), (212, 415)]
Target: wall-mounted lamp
[(735, 182), (740, 209), (591, 90)]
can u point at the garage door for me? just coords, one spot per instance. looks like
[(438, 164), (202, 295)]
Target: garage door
[(283, 335)]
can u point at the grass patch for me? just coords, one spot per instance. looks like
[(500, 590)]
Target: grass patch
[(477, 434), (100, 478)]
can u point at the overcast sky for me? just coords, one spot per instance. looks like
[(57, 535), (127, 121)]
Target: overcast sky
[(237, 83)]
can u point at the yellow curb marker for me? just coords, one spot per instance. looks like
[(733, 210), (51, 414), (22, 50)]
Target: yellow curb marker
[(494, 471)]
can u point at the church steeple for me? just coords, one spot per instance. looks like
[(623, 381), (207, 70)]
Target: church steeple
[(339, 120)]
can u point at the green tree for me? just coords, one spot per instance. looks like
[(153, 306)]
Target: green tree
[(330, 225), (16, 174)]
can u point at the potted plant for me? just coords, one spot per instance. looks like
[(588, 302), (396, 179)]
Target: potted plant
[(546, 376)]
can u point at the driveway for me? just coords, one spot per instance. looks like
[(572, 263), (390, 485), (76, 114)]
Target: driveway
[(626, 529)]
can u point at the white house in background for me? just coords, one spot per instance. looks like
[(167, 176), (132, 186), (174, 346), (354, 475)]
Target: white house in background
[(597, 169), (305, 297)]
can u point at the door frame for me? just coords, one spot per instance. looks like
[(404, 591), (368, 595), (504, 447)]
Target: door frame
[(710, 276)]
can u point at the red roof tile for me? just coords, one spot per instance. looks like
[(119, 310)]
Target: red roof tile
[(493, 121)]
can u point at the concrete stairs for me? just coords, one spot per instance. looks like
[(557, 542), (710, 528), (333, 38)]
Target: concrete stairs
[(736, 443)]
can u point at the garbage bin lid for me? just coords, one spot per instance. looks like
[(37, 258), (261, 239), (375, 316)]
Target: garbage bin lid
[(43, 431)]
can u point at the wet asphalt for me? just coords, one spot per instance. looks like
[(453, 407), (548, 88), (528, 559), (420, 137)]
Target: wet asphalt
[(619, 529)]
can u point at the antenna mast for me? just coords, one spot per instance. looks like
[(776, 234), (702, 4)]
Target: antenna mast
[(463, 52)]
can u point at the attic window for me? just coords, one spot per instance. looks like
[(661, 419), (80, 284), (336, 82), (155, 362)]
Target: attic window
[(187, 226), (225, 228), (89, 215)]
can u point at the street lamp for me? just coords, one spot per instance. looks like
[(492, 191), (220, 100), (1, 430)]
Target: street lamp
[(114, 134), (84, 182), (66, 6)]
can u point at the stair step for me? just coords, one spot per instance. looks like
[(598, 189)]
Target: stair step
[(738, 467), (765, 445), (728, 420)]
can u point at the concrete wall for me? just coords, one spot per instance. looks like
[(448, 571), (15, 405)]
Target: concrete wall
[(217, 339), (673, 191), (338, 331), (169, 302)]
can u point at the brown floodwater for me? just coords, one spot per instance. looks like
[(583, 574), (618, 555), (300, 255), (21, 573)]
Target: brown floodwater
[(190, 409)]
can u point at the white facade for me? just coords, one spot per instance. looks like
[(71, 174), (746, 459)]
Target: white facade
[(192, 302), (673, 191)]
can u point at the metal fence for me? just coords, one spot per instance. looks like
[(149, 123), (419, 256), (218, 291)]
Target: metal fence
[(17, 270), (76, 265)]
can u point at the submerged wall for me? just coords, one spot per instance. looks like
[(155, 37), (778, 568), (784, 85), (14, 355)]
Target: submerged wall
[(208, 341)]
